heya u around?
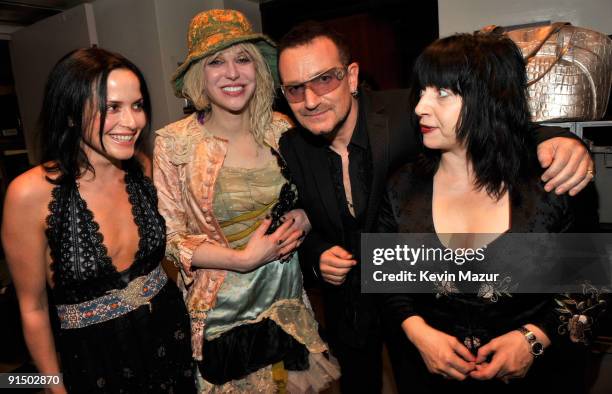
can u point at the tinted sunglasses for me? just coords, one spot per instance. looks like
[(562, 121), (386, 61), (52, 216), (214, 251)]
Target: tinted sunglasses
[(321, 84)]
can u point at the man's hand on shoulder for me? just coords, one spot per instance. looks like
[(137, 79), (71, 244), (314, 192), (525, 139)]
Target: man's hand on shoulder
[(568, 163)]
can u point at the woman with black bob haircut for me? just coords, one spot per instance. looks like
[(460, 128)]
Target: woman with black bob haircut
[(85, 224), (477, 180), (488, 73)]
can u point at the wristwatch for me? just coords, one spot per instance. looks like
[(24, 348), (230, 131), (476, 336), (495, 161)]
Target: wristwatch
[(535, 346)]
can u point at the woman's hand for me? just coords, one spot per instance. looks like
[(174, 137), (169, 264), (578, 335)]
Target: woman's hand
[(300, 226), (443, 354), (511, 356), (262, 248), (301, 223)]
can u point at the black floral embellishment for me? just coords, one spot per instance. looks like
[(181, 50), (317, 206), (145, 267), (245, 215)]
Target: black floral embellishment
[(578, 312), (287, 198)]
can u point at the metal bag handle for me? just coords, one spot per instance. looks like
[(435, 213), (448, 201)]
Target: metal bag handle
[(553, 28)]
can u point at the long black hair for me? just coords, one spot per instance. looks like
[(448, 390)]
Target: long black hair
[(488, 72), (76, 85)]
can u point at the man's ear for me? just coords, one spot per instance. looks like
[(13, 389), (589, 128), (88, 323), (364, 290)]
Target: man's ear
[(353, 76)]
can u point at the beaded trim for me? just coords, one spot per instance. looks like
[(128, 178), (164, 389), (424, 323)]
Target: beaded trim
[(115, 303)]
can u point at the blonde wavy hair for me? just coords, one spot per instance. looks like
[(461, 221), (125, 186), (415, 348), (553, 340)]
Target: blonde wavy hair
[(260, 105)]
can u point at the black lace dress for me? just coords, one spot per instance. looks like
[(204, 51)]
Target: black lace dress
[(146, 350)]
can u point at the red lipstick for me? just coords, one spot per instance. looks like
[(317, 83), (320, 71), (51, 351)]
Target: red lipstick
[(426, 129)]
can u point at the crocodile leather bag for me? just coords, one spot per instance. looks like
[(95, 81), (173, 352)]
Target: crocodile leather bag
[(569, 70)]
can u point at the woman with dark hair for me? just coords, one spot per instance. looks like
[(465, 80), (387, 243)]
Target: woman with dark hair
[(479, 176), (85, 223)]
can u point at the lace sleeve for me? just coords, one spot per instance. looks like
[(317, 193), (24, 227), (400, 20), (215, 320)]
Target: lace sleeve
[(180, 244)]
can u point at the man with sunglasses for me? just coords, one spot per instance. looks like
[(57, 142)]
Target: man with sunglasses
[(339, 160)]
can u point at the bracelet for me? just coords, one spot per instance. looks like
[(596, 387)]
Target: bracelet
[(535, 346)]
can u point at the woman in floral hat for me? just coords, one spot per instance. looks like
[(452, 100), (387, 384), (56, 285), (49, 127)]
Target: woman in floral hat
[(231, 224)]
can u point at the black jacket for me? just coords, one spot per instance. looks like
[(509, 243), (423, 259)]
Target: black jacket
[(392, 142)]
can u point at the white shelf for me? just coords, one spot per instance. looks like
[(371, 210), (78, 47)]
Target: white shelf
[(577, 127)]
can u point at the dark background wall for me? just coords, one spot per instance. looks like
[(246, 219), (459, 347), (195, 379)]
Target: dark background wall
[(385, 36)]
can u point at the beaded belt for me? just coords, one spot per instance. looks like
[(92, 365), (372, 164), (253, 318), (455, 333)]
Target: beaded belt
[(114, 303)]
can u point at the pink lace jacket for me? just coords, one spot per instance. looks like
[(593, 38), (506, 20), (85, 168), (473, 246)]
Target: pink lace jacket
[(186, 163)]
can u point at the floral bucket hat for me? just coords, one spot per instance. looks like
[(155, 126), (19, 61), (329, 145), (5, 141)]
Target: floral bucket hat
[(214, 30)]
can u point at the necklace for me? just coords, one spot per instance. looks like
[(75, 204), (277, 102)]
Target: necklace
[(346, 180), (349, 202)]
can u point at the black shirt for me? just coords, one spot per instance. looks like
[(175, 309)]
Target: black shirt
[(360, 174)]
